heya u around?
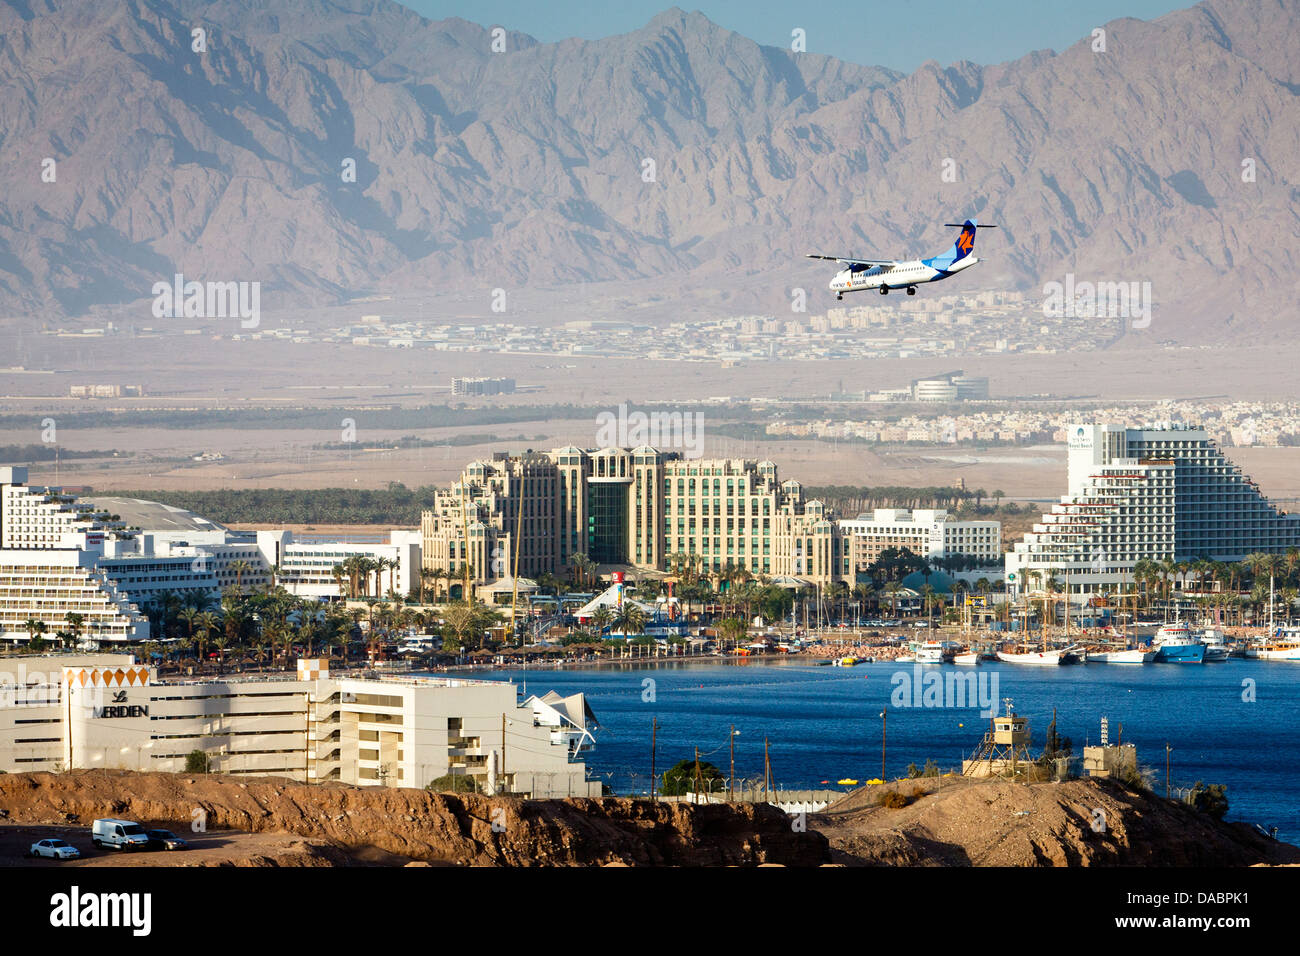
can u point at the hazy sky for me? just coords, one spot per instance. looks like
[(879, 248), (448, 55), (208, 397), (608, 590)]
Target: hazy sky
[(900, 34)]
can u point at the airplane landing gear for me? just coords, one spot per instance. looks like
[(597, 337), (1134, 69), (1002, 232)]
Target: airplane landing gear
[(839, 296), (884, 290), (911, 290)]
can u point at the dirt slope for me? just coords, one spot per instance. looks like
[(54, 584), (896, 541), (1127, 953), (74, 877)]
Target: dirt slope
[(995, 822), (438, 828)]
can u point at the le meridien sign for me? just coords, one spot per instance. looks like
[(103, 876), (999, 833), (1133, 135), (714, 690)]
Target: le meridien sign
[(129, 710)]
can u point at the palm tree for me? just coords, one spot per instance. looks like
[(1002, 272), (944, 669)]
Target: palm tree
[(189, 615), (76, 623), (220, 642), (601, 617), (892, 589), (34, 628), (863, 593), (240, 567), (629, 619), (207, 623), (927, 598), (733, 629)]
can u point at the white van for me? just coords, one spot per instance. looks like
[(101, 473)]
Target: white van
[(121, 834)]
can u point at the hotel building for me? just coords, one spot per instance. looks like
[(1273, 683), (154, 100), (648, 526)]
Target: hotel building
[(626, 508), (929, 533), (1160, 493), (109, 558), (639, 508), (107, 711)]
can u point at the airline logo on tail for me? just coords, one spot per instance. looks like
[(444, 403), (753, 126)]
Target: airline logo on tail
[(966, 241)]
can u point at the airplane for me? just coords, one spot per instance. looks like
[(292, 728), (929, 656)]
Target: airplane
[(886, 274)]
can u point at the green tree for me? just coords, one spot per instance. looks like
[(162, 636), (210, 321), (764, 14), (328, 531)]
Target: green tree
[(1212, 799), (681, 778), (733, 630), (196, 761), (465, 622), (628, 619), (453, 783)]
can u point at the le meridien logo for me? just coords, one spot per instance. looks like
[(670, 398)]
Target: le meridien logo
[(179, 299), (76, 909)]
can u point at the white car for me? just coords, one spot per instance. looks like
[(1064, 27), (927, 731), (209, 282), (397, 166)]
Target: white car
[(55, 849)]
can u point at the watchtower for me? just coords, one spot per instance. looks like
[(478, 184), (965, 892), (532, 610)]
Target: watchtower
[(1005, 745)]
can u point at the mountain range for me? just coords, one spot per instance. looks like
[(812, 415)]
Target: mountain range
[(681, 157)]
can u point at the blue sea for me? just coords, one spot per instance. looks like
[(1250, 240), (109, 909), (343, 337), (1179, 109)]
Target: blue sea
[(1233, 723)]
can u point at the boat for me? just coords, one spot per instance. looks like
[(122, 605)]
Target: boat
[(1216, 645), (1274, 649), (1049, 657), (931, 652), (967, 658), (844, 661), (1175, 644), (905, 659), (1117, 655)]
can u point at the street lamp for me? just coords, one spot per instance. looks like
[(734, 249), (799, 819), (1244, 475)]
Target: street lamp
[(731, 778), (884, 721)]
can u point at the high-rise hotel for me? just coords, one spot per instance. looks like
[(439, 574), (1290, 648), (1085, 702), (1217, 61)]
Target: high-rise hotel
[(640, 507), (634, 507), (1160, 493)]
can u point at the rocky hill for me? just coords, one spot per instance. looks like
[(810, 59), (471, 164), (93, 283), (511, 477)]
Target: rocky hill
[(528, 167), (416, 825), (947, 822), (994, 822)]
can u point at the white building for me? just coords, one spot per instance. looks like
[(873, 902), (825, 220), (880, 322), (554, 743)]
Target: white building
[(110, 712), (1160, 493), (306, 568), (109, 558), (931, 533)]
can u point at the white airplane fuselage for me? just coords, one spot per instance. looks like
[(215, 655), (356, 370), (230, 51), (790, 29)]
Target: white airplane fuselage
[(901, 275)]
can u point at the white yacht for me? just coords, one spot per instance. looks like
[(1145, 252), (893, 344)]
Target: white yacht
[(1216, 644), (1026, 655), (930, 652), (1127, 655)]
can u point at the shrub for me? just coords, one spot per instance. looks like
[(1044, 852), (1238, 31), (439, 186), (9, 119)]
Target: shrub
[(891, 800), (196, 761), (453, 783), (1212, 799)]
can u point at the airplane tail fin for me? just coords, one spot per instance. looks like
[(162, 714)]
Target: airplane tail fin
[(963, 247)]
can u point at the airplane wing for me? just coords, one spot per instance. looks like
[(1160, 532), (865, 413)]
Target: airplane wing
[(854, 262)]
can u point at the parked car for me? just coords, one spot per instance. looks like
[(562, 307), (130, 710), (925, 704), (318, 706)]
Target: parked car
[(55, 849), (119, 834), (166, 840)]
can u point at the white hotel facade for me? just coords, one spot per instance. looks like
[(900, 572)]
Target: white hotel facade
[(1160, 493), (107, 711), (107, 559)]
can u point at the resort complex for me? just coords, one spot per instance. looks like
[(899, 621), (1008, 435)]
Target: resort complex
[(1164, 493), (1135, 495)]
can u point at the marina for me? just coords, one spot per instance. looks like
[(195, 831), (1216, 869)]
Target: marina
[(824, 725)]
